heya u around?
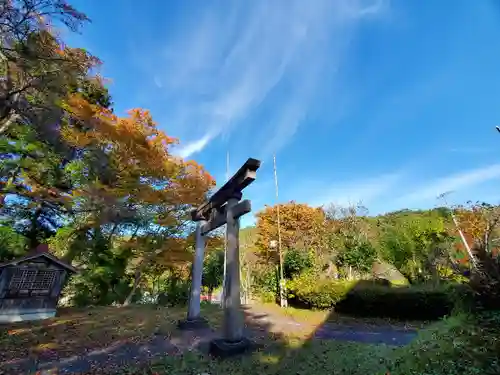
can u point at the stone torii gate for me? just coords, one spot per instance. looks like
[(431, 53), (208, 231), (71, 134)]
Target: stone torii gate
[(224, 207)]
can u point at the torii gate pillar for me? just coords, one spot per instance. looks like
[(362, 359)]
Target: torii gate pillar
[(224, 207)]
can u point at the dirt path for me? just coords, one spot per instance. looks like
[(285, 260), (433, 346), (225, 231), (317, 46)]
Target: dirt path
[(341, 331)]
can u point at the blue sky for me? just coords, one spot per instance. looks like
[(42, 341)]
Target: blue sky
[(385, 102)]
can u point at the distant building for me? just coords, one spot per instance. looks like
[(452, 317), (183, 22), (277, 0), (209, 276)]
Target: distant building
[(30, 286)]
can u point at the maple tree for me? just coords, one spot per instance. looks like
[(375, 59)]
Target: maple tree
[(301, 226), (75, 174), (138, 155), (37, 168), (35, 64), (480, 224), (139, 176), (38, 70)]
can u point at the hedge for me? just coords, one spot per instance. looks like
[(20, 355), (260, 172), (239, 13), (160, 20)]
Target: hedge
[(309, 292), (365, 298), (413, 302)]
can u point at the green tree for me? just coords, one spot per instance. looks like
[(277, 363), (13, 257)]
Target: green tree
[(358, 255), (213, 271), (415, 243), (12, 244), (296, 262)]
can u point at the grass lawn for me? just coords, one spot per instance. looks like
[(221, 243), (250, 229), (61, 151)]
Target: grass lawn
[(75, 331), (315, 357), (286, 349), (283, 348), (454, 346)]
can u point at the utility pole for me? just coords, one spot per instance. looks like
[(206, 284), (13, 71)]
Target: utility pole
[(283, 300), (225, 240), (457, 225)]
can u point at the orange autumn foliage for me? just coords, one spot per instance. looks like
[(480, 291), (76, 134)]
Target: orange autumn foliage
[(139, 153), (476, 222), (300, 226), (472, 222)]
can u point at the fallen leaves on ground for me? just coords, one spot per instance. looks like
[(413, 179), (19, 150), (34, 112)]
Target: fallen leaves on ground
[(79, 331), (282, 340)]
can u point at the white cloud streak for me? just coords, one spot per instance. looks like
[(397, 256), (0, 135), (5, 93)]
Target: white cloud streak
[(455, 182), (224, 64), (353, 192), (395, 190), (194, 147)]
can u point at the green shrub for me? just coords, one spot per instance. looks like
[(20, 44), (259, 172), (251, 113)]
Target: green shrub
[(425, 302), (369, 298), (460, 344), (309, 292), (267, 297), (95, 287), (486, 281), (357, 254), (266, 285), (213, 270), (176, 294), (296, 262)]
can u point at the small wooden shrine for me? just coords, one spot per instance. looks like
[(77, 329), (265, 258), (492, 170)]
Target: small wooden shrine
[(30, 286)]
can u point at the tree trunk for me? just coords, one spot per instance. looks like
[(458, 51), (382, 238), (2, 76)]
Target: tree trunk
[(69, 256), (72, 253), (157, 293), (32, 235), (138, 276), (249, 286), (7, 123), (111, 234)]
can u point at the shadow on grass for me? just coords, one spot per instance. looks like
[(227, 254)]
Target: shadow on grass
[(115, 342), (339, 344), (299, 342), (145, 340), (284, 346), (76, 333)]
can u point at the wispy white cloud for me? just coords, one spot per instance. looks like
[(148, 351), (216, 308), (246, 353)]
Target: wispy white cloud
[(232, 58), (157, 81), (455, 182), (471, 150), (194, 147), (346, 193), (395, 190)]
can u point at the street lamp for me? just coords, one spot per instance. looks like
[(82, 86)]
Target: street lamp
[(273, 244)]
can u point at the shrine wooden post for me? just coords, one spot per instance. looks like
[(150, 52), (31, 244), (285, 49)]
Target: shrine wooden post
[(224, 207)]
